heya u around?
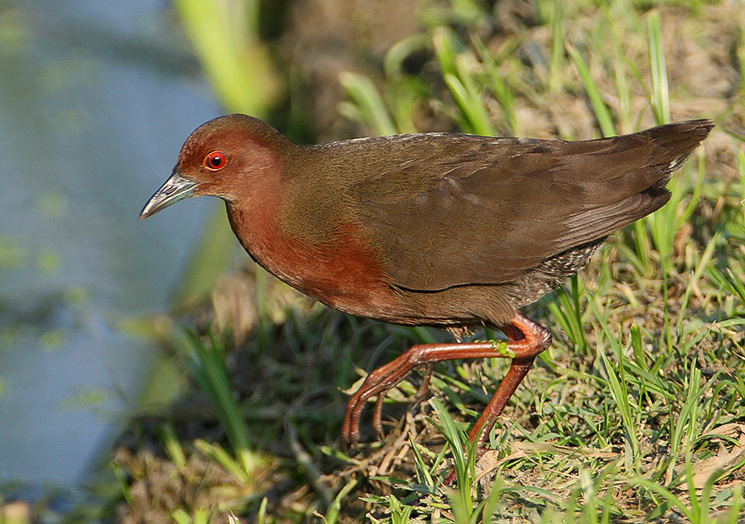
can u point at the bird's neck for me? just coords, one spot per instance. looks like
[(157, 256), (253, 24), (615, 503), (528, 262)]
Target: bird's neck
[(258, 231)]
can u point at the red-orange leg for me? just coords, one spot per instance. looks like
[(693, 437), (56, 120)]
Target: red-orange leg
[(527, 339), (421, 393)]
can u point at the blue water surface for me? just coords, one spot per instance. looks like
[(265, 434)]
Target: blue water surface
[(95, 101)]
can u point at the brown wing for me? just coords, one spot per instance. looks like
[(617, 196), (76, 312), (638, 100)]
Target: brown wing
[(475, 210)]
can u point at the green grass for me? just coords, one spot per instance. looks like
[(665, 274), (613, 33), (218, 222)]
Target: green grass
[(637, 411), (207, 368)]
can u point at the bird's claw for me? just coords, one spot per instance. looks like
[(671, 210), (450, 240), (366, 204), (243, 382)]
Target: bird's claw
[(351, 427), (377, 422)]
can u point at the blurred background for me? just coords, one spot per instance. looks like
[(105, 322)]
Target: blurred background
[(96, 99)]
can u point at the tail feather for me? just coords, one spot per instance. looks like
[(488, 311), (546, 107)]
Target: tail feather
[(673, 143), (646, 190)]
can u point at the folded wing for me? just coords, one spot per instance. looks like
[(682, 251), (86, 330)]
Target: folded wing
[(478, 210)]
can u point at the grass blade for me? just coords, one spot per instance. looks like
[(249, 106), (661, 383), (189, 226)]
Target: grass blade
[(602, 114), (367, 105), (660, 98), (206, 366)]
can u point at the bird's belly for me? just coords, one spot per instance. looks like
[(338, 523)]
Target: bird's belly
[(357, 296), (343, 273)]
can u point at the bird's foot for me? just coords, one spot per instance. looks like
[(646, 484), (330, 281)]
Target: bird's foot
[(386, 377), (527, 339), (377, 384)]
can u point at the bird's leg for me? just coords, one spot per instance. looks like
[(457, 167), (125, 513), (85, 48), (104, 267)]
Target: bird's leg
[(534, 338), (424, 386), (384, 378), (377, 422), (527, 339)]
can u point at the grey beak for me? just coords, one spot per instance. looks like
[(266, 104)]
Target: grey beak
[(175, 188)]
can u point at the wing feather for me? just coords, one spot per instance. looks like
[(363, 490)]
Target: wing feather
[(476, 210)]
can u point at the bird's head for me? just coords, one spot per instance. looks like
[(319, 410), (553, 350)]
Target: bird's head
[(223, 157)]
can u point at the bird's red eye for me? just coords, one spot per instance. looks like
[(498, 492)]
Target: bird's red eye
[(215, 160)]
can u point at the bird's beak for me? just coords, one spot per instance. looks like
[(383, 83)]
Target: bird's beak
[(176, 188)]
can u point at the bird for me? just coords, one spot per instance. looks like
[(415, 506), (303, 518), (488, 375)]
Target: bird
[(449, 230)]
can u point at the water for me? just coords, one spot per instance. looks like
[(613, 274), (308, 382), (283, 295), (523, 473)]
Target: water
[(95, 101)]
